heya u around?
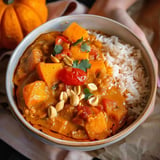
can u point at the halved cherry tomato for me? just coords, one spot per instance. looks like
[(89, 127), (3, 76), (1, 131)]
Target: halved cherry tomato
[(72, 76)]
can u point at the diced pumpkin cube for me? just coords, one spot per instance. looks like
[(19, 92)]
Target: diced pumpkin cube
[(75, 32), (49, 72), (96, 126), (114, 110), (35, 93), (77, 54), (97, 68), (63, 126)]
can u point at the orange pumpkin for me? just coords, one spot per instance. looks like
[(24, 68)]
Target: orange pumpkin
[(18, 18)]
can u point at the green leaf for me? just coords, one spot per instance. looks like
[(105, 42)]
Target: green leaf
[(78, 41), (57, 49), (54, 86), (75, 64), (85, 47), (87, 93), (83, 64)]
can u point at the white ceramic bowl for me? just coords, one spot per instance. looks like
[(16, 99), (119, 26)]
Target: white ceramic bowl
[(108, 26)]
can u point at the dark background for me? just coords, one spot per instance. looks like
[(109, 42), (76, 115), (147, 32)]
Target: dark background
[(88, 3)]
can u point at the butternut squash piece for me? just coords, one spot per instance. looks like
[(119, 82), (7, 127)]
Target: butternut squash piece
[(97, 66), (75, 32), (35, 93), (77, 54), (115, 110), (49, 72), (97, 69), (96, 126)]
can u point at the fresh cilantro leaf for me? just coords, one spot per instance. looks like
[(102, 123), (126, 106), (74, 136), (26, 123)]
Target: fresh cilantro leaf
[(85, 47), (75, 64), (57, 49), (78, 41), (54, 86), (83, 64), (87, 93)]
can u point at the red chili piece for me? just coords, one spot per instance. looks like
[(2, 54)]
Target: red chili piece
[(61, 39)]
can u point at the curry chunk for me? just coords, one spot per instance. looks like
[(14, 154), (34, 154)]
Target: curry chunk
[(97, 69), (75, 32), (49, 72), (35, 93), (63, 126), (96, 126), (34, 58), (77, 54), (115, 110)]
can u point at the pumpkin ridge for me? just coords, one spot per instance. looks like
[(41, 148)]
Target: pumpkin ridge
[(32, 10), (28, 18), (43, 9), (2, 10), (12, 32), (23, 32)]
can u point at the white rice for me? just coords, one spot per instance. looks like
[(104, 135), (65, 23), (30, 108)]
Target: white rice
[(128, 70)]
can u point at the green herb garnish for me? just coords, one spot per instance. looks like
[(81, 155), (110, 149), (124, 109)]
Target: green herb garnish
[(87, 93), (54, 86), (78, 41), (83, 64), (57, 49), (85, 47)]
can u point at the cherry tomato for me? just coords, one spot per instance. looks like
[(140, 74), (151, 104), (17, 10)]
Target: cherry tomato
[(72, 76)]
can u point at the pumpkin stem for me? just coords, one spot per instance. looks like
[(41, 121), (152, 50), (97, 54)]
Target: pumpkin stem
[(8, 1)]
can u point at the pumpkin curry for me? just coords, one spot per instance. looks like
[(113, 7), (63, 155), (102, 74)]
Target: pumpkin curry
[(65, 87)]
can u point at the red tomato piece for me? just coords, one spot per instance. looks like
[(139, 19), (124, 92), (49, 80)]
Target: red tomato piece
[(72, 76), (84, 111)]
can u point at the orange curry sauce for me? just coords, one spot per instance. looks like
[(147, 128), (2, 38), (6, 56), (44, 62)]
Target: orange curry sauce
[(65, 87)]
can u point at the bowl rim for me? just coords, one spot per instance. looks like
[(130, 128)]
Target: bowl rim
[(110, 140)]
